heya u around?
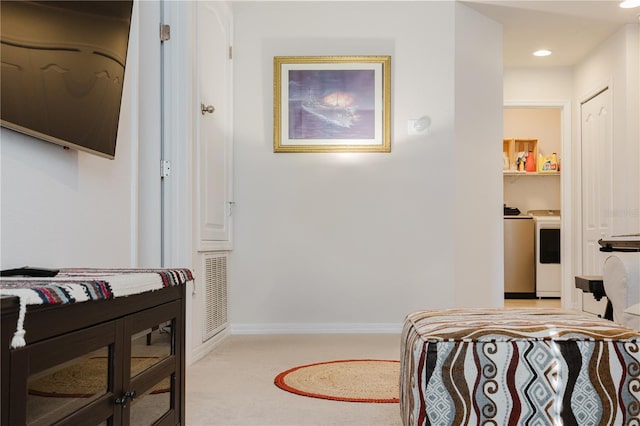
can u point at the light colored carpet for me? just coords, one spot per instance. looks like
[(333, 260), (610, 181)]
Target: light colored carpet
[(233, 385)]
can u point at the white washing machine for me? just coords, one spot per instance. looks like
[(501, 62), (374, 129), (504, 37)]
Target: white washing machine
[(547, 242)]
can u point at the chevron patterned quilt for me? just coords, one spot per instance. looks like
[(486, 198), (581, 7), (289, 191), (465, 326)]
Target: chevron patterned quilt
[(518, 367)]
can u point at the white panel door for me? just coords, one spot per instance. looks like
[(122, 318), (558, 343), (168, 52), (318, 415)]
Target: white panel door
[(214, 144), (597, 178)]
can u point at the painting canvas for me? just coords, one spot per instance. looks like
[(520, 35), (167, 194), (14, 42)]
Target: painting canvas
[(325, 104)]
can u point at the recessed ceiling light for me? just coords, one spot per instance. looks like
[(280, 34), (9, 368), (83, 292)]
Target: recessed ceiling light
[(629, 4), (542, 52)]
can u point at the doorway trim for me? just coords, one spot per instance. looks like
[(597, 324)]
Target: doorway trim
[(566, 207)]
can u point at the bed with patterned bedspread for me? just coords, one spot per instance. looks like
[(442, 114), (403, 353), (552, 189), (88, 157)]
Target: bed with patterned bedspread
[(518, 367)]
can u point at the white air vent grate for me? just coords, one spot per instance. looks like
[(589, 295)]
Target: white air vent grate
[(215, 299)]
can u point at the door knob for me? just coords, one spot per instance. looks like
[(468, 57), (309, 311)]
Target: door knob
[(207, 108), (123, 399)]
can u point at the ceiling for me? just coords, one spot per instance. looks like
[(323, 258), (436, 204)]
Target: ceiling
[(570, 29)]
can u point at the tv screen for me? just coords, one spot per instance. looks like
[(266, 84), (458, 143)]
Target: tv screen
[(63, 68)]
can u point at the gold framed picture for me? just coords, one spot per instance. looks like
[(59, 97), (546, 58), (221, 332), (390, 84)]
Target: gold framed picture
[(331, 103)]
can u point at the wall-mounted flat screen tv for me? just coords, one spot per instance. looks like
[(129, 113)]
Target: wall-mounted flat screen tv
[(63, 66)]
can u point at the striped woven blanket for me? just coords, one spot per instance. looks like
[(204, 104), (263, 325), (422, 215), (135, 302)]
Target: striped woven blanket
[(81, 285)]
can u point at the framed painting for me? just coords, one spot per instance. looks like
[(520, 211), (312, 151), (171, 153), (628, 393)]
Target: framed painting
[(332, 103)]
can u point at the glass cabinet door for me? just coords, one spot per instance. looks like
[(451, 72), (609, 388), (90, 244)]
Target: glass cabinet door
[(79, 382), (152, 366), (126, 371)]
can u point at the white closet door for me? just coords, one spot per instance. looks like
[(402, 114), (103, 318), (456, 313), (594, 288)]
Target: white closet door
[(597, 178), (214, 147)]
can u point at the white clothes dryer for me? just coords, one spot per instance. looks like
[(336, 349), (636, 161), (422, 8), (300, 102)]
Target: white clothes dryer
[(547, 251)]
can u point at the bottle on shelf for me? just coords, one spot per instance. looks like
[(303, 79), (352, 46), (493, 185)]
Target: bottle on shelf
[(530, 162)]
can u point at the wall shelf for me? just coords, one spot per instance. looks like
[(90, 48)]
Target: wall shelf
[(511, 148), (516, 173)]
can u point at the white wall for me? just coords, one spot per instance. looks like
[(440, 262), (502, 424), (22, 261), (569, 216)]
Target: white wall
[(537, 192), (540, 87), (477, 208), (543, 124), (65, 208), (617, 64), (531, 85), (340, 242)]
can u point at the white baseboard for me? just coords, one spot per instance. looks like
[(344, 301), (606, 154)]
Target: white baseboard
[(291, 328), (206, 347), (317, 328)]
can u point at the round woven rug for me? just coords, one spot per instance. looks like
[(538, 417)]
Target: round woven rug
[(356, 380), (87, 378)]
